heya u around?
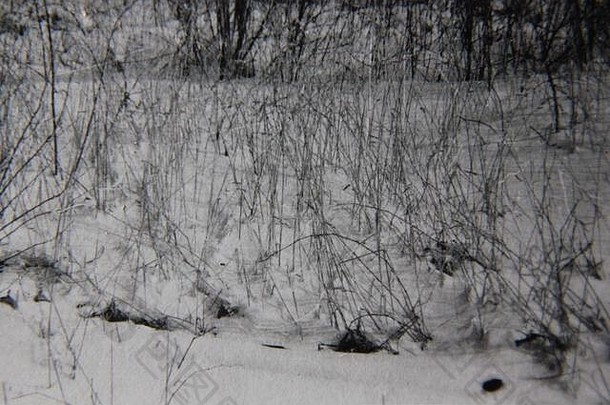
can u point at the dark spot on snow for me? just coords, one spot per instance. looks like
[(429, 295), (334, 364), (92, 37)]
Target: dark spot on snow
[(160, 323), (531, 337), (538, 341), (39, 261), (8, 300), (548, 350), (492, 385), (226, 310), (113, 314), (272, 346), (447, 257), (41, 297), (353, 341)]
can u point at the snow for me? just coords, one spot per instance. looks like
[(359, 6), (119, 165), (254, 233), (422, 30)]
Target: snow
[(51, 355), (250, 223)]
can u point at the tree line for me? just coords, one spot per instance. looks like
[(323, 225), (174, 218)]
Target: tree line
[(457, 39)]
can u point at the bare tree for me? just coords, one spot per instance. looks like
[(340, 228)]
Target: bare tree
[(233, 20)]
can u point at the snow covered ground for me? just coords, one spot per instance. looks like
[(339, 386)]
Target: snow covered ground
[(213, 242), (86, 362), (53, 353)]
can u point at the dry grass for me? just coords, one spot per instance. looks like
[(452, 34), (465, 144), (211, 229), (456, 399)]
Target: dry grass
[(340, 201)]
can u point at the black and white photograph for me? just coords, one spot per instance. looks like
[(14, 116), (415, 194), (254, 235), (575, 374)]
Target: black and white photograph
[(359, 202)]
